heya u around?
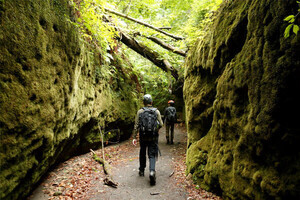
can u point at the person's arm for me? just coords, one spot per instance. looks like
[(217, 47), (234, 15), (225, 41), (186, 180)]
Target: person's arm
[(159, 119)]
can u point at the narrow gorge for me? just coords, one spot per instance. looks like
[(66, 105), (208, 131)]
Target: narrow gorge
[(239, 99)]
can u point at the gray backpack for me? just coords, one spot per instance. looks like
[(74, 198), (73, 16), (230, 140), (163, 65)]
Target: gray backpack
[(171, 114)]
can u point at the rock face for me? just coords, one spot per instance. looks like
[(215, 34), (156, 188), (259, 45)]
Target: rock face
[(54, 92), (242, 103)]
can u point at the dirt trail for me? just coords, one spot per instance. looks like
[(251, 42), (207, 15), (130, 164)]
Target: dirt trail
[(132, 186), (82, 178)]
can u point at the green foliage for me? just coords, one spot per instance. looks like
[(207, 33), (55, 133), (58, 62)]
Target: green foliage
[(89, 20), (154, 81), (199, 19), (163, 13), (187, 18), (291, 19)]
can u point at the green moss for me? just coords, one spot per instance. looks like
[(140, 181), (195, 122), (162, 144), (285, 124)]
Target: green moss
[(257, 177), (196, 161), (51, 98), (235, 104)]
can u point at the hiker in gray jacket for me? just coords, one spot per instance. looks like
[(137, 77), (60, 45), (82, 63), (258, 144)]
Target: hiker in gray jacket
[(147, 122)]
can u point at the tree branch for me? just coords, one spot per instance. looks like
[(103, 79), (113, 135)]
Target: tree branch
[(106, 168), (167, 28), (166, 46), (145, 24)]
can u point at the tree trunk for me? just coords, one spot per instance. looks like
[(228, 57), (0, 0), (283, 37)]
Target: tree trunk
[(144, 51), (148, 53)]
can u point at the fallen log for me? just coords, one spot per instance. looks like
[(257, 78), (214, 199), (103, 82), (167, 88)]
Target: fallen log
[(143, 50), (148, 53)]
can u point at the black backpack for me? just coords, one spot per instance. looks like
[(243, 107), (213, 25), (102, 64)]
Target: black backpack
[(171, 113), (148, 122)]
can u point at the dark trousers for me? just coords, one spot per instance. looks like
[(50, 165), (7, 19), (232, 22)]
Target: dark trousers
[(170, 131), (152, 154)]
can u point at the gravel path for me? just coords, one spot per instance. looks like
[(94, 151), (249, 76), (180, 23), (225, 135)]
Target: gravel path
[(132, 186), (82, 178)]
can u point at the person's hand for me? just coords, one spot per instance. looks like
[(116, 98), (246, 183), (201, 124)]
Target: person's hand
[(134, 142)]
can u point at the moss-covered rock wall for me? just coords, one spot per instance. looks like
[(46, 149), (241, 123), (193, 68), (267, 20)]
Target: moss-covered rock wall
[(54, 91), (242, 103)]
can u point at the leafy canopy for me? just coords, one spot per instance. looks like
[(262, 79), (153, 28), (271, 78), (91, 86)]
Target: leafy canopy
[(187, 18)]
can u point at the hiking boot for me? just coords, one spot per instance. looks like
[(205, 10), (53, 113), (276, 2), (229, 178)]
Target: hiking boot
[(152, 177), (141, 173), (168, 142), (172, 142)]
